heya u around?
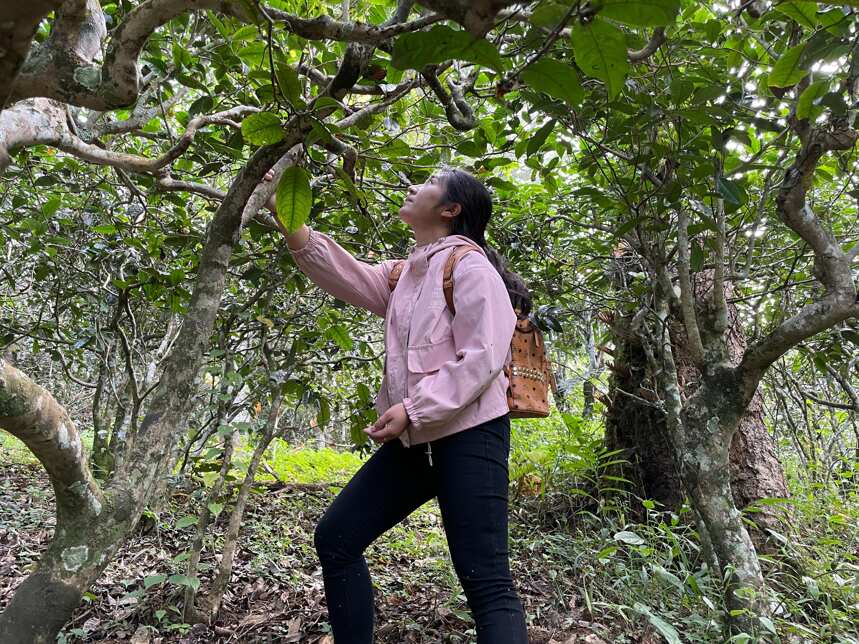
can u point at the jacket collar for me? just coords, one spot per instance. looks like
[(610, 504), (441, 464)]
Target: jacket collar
[(419, 256)]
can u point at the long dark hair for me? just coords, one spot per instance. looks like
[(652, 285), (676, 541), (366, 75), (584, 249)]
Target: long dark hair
[(469, 192)]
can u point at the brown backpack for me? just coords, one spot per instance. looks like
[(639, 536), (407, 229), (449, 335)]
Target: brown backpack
[(528, 373)]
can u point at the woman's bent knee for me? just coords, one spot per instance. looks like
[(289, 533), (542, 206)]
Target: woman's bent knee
[(331, 542)]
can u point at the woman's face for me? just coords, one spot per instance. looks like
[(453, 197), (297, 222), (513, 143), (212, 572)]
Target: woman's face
[(424, 206)]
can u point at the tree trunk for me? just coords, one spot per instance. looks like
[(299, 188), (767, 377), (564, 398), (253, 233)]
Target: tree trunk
[(637, 428), (231, 538), (190, 614)]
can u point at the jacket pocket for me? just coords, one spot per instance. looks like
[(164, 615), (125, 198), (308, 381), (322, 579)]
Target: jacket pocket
[(425, 358)]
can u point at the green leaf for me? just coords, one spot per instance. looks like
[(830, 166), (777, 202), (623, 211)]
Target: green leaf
[(471, 148), (215, 508), (548, 15), (731, 191), (537, 141), (665, 629), (441, 43), (631, 538), (324, 412), (340, 336), (809, 96), (681, 89), (254, 54), (184, 522), (290, 85), (104, 229), (787, 72), (153, 580), (294, 198), (644, 13), (556, 79), (803, 13), (262, 128), (600, 50), (52, 205), (184, 580), (767, 623)]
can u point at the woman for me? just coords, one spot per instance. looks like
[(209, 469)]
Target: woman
[(444, 424)]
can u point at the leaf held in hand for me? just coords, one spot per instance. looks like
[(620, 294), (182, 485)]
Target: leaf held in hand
[(294, 198)]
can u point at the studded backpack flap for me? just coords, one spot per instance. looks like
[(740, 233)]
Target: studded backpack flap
[(528, 373)]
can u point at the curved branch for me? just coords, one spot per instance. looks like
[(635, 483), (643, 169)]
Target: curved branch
[(65, 71), (33, 415), (458, 111), (167, 183), (831, 263), (18, 24), (656, 40), (41, 121)]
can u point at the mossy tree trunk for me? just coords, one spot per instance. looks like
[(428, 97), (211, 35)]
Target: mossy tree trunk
[(638, 428)]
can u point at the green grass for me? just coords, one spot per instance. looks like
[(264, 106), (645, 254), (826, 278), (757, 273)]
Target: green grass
[(14, 451)]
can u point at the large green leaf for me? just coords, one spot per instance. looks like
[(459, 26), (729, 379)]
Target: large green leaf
[(665, 629), (290, 85), (556, 79), (539, 138), (731, 191), (787, 72), (441, 43), (262, 128), (806, 103), (644, 13), (803, 13), (548, 15), (184, 580), (600, 50), (294, 198)]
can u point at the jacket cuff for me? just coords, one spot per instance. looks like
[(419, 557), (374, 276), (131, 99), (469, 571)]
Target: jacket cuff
[(412, 413), (311, 243)]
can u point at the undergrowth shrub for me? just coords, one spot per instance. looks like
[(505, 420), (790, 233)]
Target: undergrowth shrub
[(561, 465)]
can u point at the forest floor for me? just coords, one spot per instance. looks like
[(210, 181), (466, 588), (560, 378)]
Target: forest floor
[(602, 578), (276, 592)]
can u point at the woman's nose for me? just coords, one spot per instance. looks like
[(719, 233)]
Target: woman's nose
[(412, 190)]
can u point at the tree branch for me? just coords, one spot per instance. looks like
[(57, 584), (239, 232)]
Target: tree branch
[(459, 112), (42, 121), (687, 296), (831, 263), (655, 42), (18, 24), (34, 416), (63, 69)]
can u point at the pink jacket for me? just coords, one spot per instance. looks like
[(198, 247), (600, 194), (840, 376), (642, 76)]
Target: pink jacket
[(446, 370)]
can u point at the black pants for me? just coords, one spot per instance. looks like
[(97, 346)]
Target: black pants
[(469, 476)]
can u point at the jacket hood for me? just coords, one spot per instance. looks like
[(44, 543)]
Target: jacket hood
[(420, 255)]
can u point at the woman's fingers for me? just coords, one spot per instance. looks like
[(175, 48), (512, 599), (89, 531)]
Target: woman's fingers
[(269, 175), (378, 435)]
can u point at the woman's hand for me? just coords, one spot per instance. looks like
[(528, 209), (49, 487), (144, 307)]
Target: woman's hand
[(390, 424)]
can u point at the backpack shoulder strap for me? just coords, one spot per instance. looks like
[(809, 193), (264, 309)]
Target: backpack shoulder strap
[(452, 259), (395, 274)]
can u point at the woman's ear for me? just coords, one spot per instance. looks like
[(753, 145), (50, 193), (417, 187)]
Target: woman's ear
[(451, 210)]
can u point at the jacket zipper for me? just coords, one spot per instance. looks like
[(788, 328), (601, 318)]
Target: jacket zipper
[(429, 452), (406, 353)]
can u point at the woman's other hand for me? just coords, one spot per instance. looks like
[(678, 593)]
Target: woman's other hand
[(270, 204), (390, 424)]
